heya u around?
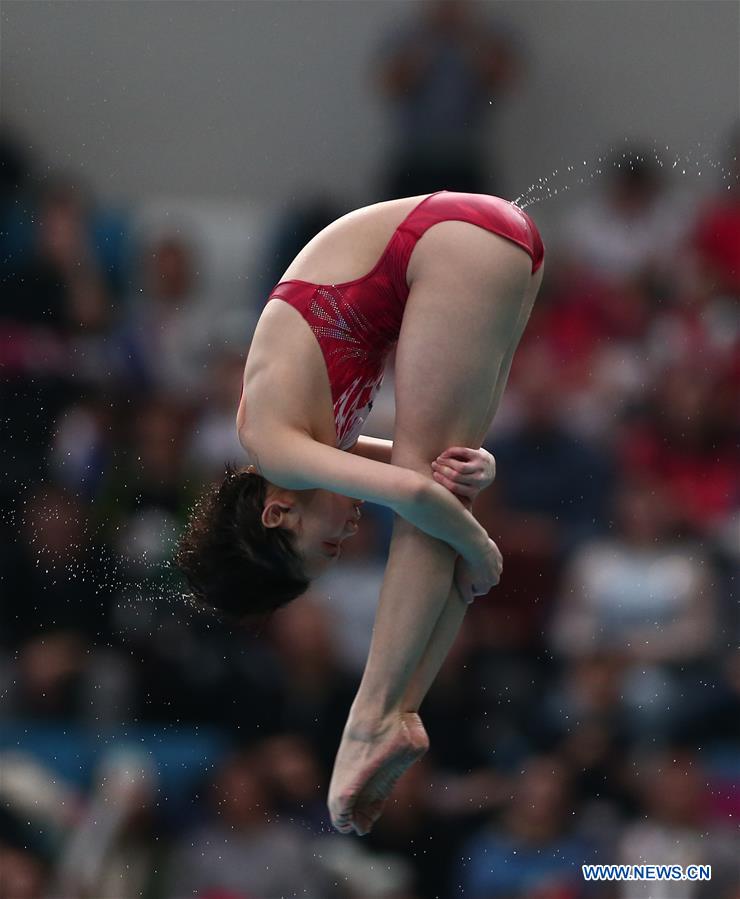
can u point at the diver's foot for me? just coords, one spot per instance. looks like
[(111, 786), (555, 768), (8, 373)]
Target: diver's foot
[(369, 762)]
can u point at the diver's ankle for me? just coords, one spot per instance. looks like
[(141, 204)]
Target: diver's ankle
[(369, 721)]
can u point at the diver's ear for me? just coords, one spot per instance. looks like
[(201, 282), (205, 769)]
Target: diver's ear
[(275, 514)]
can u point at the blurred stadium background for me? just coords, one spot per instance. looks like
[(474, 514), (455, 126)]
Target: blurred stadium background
[(160, 165)]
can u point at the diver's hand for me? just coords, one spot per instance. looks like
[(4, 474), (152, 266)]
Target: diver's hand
[(475, 577), (464, 471)]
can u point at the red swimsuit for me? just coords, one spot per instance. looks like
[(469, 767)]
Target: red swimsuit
[(357, 322)]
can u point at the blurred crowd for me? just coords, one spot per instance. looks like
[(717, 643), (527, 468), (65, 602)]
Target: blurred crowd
[(590, 708)]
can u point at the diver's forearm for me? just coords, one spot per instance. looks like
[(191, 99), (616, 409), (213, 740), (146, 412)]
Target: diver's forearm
[(439, 513), (435, 511)]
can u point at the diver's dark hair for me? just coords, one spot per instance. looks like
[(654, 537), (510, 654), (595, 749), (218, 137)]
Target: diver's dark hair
[(234, 564)]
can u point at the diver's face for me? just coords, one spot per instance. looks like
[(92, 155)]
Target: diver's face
[(326, 521), (321, 520)]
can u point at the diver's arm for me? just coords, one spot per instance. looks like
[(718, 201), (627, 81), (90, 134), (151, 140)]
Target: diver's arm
[(294, 460)]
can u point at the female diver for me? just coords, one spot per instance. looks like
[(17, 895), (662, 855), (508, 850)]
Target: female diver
[(449, 278)]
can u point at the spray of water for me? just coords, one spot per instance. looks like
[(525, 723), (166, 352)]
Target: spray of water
[(587, 171), (131, 578)]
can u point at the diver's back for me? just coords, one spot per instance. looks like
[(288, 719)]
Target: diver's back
[(350, 246)]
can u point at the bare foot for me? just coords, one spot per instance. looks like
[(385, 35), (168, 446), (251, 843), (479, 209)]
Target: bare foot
[(368, 764)]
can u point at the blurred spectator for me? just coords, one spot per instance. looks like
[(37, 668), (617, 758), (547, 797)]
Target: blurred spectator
[(244, 848), (593, 744), (169, 328), (673, 829), (423, 813), (56, 611), (145, 498), (214, 440), (83, 445), (16, 213), (716, 233), (718, 720), (56, 306), (358, 874), (634, 224), (26, 856), (63, 287), (685, 442), (236, 681), (696, 324), (535, 848), (641, 592), (297, 780), (587, 693), (443, 74), (315, 692), (23, 874), (592, 334), (644, 597), (114, 849), (543, 466)]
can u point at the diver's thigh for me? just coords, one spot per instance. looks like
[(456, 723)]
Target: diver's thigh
[(526, 310), (460, 317)]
